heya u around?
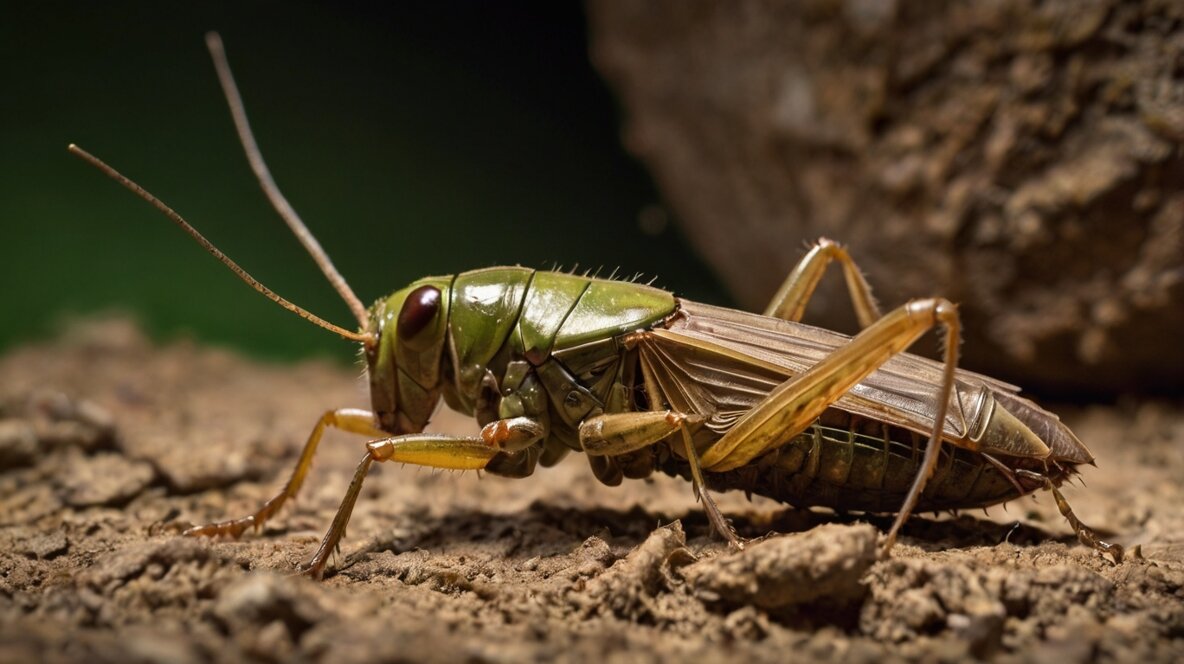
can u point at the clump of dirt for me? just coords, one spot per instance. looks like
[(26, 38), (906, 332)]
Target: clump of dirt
[(110, 445), (821, 567)]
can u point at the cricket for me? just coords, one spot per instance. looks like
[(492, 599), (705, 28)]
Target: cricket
[(642, 381)]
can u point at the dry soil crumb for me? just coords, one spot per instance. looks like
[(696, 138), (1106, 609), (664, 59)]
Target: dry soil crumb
[(108, 446), (824, 565)]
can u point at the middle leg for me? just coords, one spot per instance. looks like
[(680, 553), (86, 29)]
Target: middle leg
[(621, 433)]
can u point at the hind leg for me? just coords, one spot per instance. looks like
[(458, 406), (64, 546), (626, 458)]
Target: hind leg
[(791, 299), (621, 433), (1085, 535), (799, 401)]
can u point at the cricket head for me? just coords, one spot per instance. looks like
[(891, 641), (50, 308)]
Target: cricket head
[(406, 365), (402, 336)]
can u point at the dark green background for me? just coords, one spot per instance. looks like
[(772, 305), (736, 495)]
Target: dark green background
[(413, 142)]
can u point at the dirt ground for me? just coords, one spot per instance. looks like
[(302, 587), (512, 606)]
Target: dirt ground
[(108, 444)]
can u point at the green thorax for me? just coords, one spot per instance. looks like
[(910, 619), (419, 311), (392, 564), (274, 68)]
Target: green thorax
[(537, 313), (502, 312)]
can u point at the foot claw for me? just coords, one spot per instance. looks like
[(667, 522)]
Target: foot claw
[(311, 570), (1117, 553)]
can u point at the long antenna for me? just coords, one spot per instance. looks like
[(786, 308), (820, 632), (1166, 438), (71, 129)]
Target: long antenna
[(281, 204), (136, 189)]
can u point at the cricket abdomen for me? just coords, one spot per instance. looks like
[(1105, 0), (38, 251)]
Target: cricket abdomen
[(847, 462)]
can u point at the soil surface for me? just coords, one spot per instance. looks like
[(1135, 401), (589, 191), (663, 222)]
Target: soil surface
[(110, 444)]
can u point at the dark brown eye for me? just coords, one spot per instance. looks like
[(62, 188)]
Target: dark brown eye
[(419, 309)]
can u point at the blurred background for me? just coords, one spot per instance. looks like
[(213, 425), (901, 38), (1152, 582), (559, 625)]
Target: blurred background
[(413, 141), (1022, 159)]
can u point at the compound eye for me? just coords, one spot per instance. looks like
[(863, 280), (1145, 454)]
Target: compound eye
[(419, 309)]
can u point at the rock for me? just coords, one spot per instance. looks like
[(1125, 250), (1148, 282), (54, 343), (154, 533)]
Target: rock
[(1007, 156)]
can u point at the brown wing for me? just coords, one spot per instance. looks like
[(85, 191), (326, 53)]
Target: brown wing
[(720, 362)]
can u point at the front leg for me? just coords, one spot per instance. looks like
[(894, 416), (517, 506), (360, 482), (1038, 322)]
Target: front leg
[(353, 420), (425, 449)]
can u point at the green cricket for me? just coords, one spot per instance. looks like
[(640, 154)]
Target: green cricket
[(642, 381)]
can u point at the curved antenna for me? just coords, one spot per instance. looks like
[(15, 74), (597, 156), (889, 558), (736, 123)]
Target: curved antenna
[(281, 204), (136, 189)]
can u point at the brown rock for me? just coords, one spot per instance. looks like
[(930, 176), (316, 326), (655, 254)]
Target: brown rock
[(1020, 158)]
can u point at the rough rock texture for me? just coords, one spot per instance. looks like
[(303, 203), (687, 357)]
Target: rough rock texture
[(123, 443), (1019, 157)]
